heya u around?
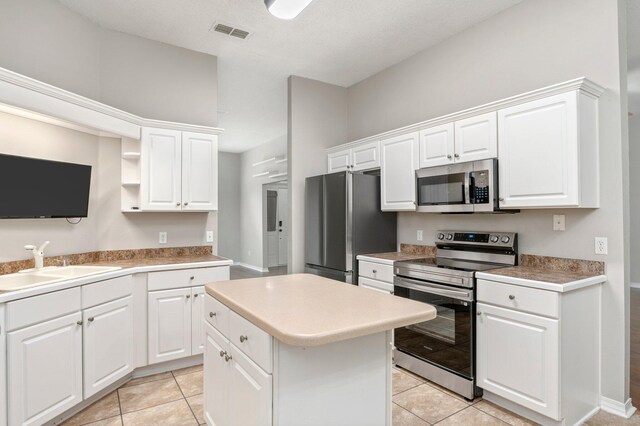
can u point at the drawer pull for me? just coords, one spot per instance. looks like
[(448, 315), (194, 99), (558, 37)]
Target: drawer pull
[(79, 322), (212, 314), (90, 319), (479, 313), (192, 278), (188, 296), (227, 357), (243, 339), (195, 295), (374, 271), (222, 353), (511, 297)]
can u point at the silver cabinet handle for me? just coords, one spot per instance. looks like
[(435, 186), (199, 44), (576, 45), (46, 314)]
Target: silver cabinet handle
[(177, 204), (212, 314), (243, 339), (479, 313), (449, 157), (501, 199), (195, 295), (192, 277), (186, 204), (222, 353), (79, 322), (374, 271), (511, 297), (227, 357), (188, 296), (456, 155), (90, 319)]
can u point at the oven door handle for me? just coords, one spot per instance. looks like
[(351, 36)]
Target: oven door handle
[(431, 289)]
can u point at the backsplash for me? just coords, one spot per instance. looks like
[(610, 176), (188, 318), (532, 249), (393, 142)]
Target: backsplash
[(418, 249), (109, 256)]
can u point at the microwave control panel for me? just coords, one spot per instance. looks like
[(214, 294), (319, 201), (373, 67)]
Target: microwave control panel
[(480, 187)]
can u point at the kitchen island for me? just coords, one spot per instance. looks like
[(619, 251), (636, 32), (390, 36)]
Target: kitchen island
[(300, 350)]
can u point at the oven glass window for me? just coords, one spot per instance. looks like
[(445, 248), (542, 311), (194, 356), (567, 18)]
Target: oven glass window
[(444, 189), (445, 341)]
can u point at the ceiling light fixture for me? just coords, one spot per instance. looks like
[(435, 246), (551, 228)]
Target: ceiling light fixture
[(286, 9)]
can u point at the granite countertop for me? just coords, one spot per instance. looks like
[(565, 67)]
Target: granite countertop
[(544, 278), (393, 256), (155, 261), (307, 310)]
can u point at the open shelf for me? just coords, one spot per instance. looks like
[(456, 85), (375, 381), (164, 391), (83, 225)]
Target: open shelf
[(130, 183), (257, 175), (281, 160), (263, 162), (277, 175)]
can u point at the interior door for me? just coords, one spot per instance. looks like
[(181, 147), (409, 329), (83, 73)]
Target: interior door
[(161, 176), (108, 344), (283, 225), (199, 172), (272, 228), (169, 324)]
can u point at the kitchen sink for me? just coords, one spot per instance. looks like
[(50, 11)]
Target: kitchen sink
[(34, 277)]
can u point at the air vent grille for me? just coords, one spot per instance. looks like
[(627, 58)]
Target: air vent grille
[(230, 31)]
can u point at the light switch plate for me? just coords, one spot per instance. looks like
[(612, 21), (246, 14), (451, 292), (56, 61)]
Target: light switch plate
[(162, 238), (601, 245), (558, 222), (419, 235), (209, 236)]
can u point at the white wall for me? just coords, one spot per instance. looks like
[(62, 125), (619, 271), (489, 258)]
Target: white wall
[(46, 41), (531, 45), (634, 195), (317, 120), (229, 241), (251, 200)]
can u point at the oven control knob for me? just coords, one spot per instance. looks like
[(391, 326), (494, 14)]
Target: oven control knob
[(441, 236), (494, 239), (505, 239), (449, 237)]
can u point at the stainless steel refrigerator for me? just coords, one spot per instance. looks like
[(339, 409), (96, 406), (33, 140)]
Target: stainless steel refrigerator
[(342, 220)]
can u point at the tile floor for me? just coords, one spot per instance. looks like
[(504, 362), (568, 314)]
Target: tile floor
[(175, 399)]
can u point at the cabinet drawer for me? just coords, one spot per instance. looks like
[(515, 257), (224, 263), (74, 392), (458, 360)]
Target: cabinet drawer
[(33, 310), (217, 315), (376, 271), (186, 277), (255, 343), (541, 302), (375, 284), (106, 291)]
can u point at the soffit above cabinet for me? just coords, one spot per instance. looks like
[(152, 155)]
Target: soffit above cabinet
[(25, 96)]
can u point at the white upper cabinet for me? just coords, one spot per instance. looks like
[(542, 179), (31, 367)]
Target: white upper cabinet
[(179, 171), (398, 163), (199, 171), (436, 145), (161, 177), (548, 153), (476, 138), (360, 157)]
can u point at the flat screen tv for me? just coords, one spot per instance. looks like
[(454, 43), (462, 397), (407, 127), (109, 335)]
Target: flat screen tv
[(36, 188)]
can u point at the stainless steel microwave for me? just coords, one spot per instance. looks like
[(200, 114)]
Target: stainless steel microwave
[(458, 188)]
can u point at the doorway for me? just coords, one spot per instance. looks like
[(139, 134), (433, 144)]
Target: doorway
[(275, 224)]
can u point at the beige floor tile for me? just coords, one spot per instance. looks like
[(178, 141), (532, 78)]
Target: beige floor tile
[(195, 402), (147, 395), (429, 403), (471, 416), (410, 373), (401, 417), (113, 421), (606, 419), (188, 370), (402, 381), (102, 409), (191, 384), (504, 415), (453, 394), (175, 413), (147, 379)]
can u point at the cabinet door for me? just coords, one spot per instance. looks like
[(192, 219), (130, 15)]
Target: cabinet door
[(44, 370), (436, 146), (518, 358), (199, 172), (250, 391), (169, 324), (476, 138), (398, 163), (197, 320), (365, 156), (338, 161), (161, 176), (216, 379), (108, 344), (538, 153)]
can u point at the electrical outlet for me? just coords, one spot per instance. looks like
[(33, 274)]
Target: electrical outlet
[(209, 236), (162, 238), (558, 222), (419, 235), (601, 245)]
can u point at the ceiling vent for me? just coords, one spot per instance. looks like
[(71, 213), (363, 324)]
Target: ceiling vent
[(230, 31)]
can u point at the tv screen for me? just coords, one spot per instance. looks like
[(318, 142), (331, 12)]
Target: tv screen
[(35, 188)]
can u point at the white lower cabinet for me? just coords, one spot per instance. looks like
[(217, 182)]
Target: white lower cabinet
[(108, 344), (44, 370), (375, 274), (175, 324)]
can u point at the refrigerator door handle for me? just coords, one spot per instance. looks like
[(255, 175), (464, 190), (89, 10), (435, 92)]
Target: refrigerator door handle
[(323, 241)]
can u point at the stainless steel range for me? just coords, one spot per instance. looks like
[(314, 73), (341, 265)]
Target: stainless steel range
[(443, 350)]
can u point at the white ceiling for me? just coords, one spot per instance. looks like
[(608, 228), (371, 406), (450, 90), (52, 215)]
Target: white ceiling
[(633, 56), (335, 41)]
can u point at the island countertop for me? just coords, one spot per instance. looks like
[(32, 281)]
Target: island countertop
[(307, 310)]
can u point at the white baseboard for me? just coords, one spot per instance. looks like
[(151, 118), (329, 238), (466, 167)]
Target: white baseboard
[(612, 406), (634, 285), (255, 268)]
